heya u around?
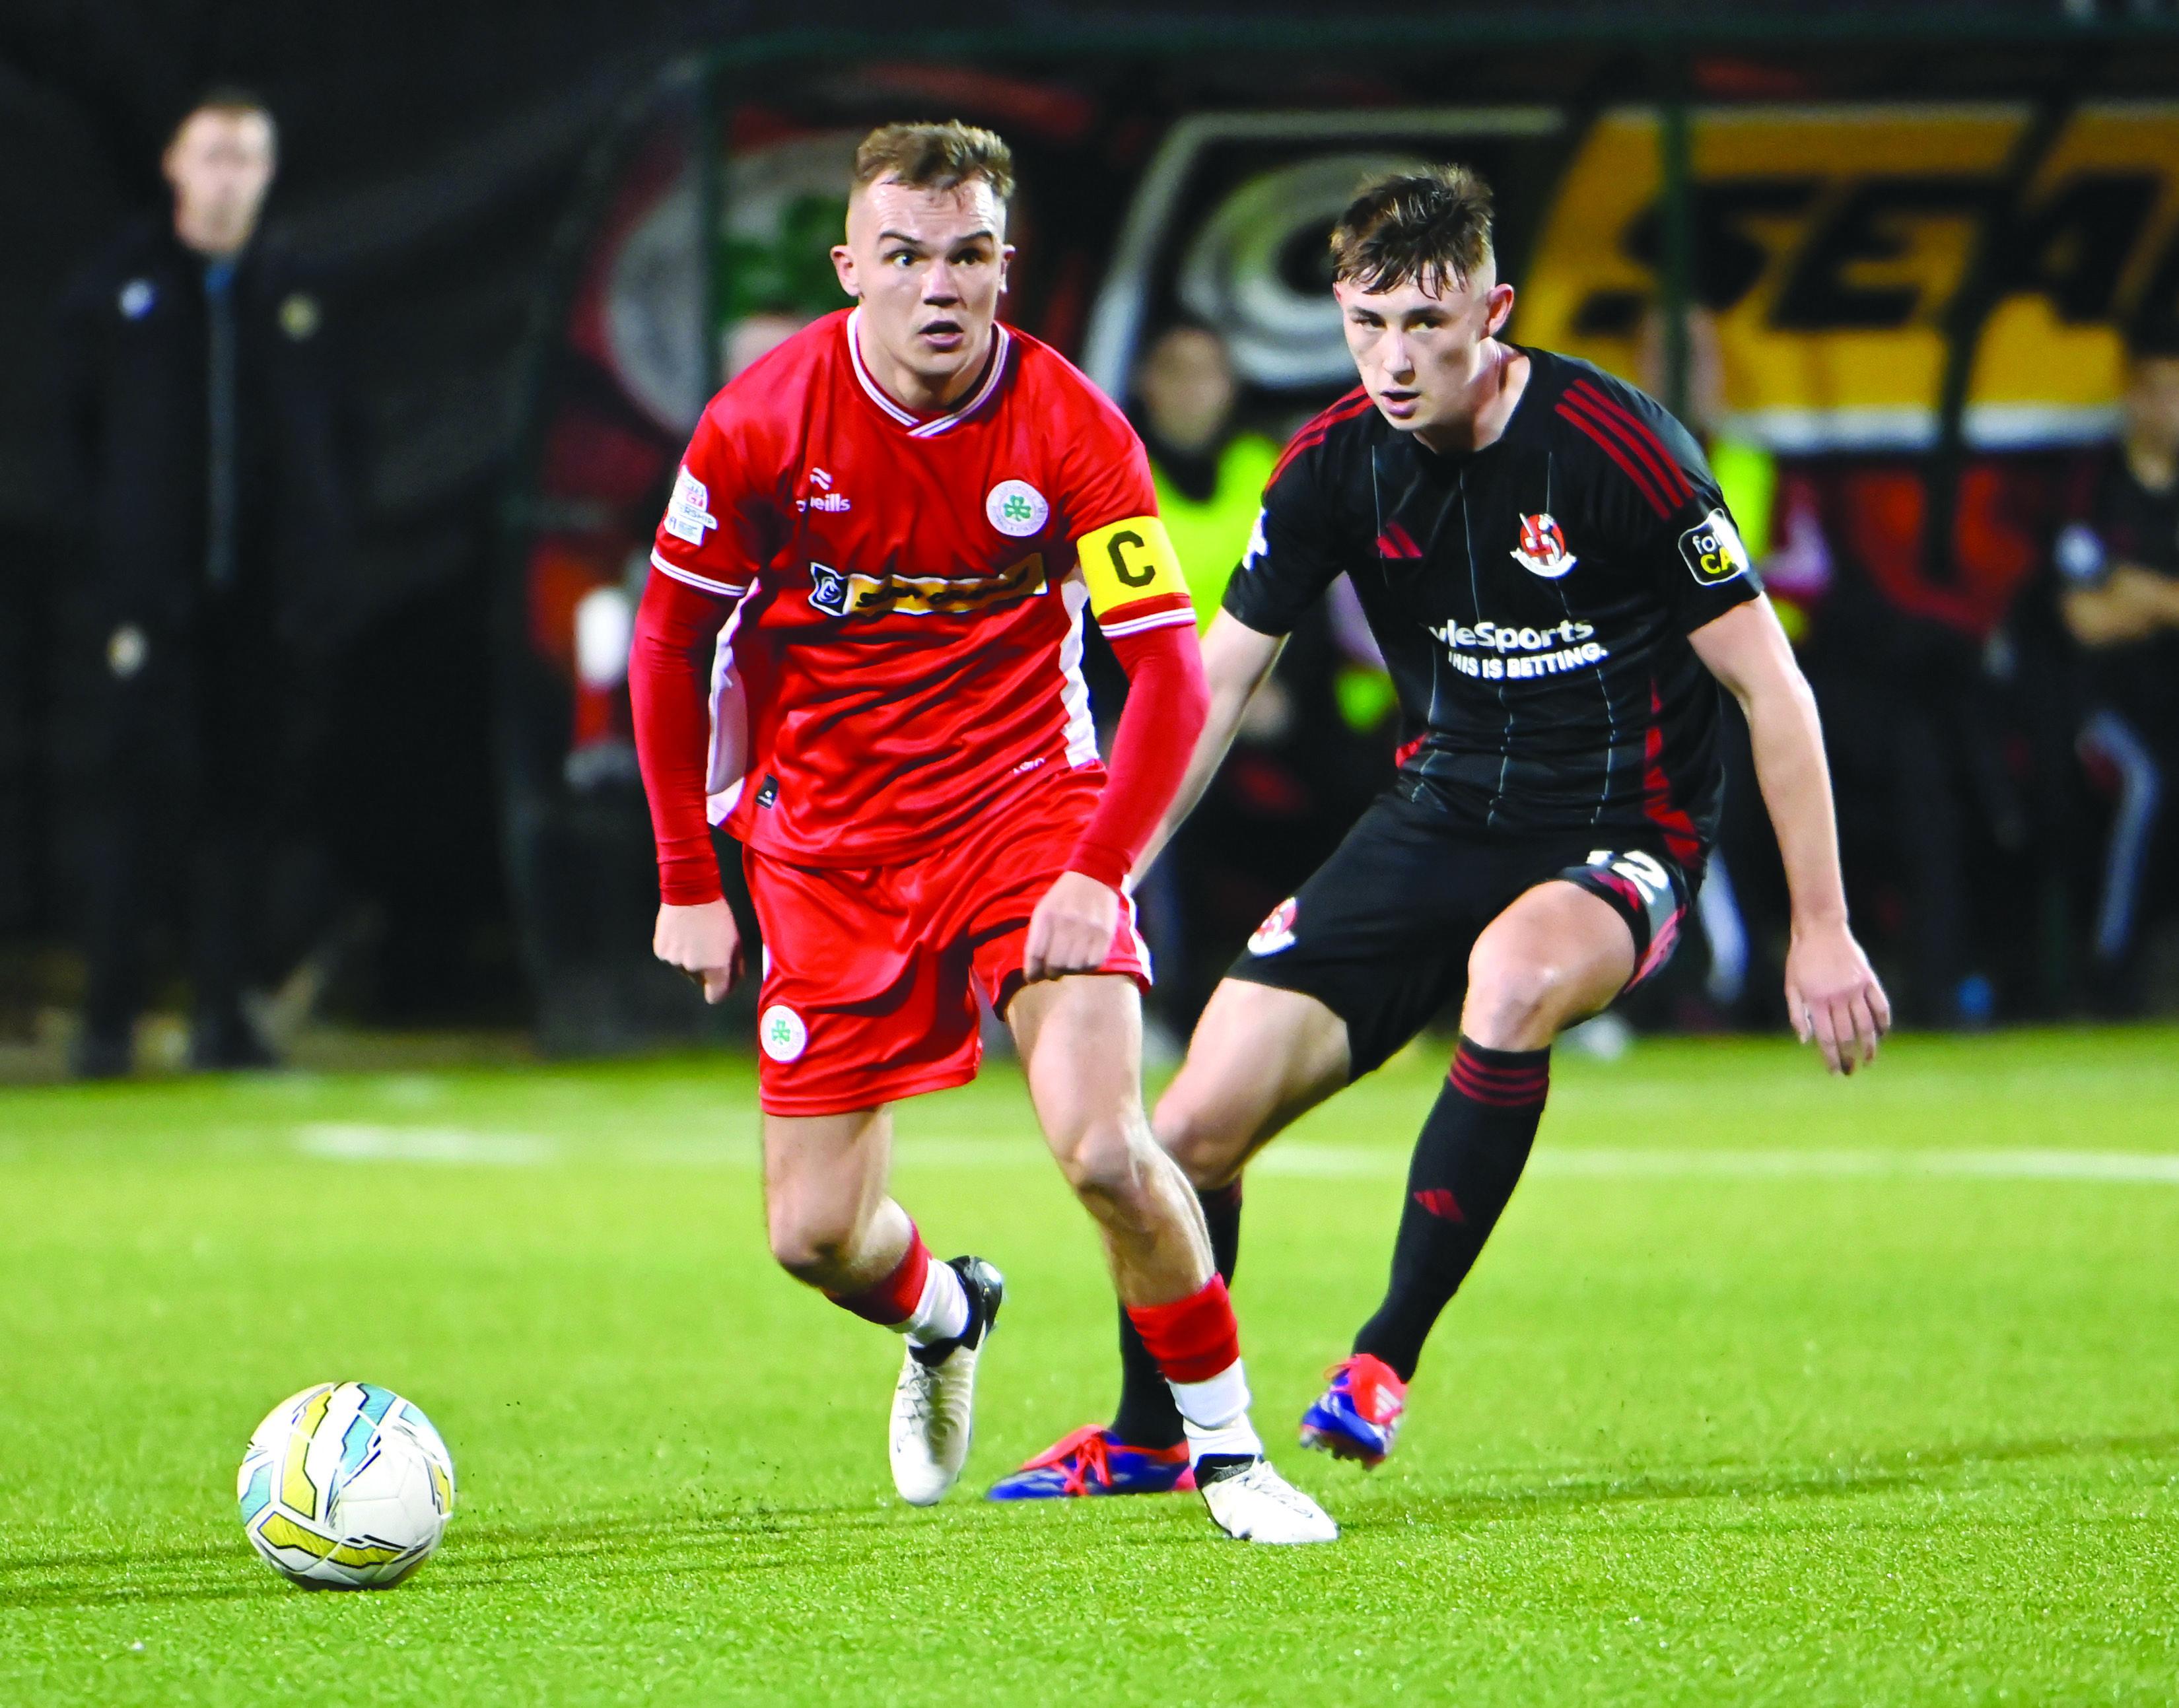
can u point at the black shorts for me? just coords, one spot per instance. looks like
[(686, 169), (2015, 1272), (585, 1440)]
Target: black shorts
[(1380, 933)]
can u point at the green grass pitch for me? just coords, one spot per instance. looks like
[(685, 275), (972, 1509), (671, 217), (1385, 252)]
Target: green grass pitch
[(1771, 1389)]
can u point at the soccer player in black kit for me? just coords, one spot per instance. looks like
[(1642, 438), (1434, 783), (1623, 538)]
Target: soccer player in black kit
[(1558, 590)]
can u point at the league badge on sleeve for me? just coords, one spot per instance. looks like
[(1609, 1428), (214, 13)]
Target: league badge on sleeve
[(1543, 549), (1713, 550), (689, 511)]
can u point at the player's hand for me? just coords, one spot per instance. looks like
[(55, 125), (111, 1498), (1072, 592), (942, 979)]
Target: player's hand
[(1833, 997), (1071, 932), (702, 944)]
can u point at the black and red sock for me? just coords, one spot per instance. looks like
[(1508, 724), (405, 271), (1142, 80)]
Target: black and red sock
[(1468, 1160)]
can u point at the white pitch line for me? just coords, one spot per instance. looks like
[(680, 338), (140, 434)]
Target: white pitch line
[(1327, 1161), (354, 1141), (344, 1141)]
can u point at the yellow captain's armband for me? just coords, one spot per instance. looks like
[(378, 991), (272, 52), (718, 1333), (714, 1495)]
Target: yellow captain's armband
[(1128, 562)]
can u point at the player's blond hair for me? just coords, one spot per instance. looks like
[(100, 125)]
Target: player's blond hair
[(1430, 228), (936, 156)]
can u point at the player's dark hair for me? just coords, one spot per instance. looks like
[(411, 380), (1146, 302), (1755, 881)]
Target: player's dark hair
[(229, 99), (936, 156), (1430, 228)]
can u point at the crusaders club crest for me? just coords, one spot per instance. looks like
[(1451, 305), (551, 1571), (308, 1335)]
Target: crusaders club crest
[(1276, 932), (1542, 551)]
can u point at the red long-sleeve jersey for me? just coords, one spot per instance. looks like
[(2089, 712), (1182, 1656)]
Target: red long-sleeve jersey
[(864, 631)]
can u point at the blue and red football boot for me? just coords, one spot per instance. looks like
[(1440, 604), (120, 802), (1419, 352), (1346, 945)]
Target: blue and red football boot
[(1358, 1416), (1094, 1461)]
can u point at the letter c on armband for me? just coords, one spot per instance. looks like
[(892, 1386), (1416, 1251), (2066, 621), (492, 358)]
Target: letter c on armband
[(1128, 561)]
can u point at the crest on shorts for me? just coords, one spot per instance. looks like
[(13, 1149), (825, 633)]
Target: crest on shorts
[(1542, 551), (780, 1030), (1276, 932)]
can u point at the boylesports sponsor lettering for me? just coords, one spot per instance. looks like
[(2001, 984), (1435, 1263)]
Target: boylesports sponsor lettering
[(1498, 652)]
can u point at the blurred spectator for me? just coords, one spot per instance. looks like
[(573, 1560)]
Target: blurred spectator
[(1912, 656), (749, 339), (2119, 570), (1905, 640), (1210, 485), (197, 451), (1210, 478)]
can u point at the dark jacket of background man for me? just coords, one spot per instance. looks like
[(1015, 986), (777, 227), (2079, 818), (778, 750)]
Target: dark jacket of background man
[(138, 441), (199, 464)]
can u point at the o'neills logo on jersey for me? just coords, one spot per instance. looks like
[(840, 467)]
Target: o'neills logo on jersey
[(1518, 654), (847, 593), (1542, 551), (824, 498)]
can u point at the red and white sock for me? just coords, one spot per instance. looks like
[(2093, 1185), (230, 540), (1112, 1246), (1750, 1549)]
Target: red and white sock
[(1197, 1345), (921, 1300)]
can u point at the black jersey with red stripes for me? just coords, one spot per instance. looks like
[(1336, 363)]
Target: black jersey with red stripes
[(1533, 601)]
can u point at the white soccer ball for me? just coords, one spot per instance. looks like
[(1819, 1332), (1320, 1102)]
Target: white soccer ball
[(346, 1486)]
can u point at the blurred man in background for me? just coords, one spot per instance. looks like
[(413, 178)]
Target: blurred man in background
[(1210, 478), (198, 459), (1316, 741), (2119, 569), (1210, 481)]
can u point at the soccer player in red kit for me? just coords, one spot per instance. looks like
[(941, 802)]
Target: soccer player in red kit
[(863, 644)]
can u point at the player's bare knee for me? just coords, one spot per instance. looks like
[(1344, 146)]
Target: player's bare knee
[(1510, 1000), (1103, 1168), (1202, 1144), (812, 1249)]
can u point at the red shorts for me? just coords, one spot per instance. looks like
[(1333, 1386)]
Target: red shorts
[(871, 972)]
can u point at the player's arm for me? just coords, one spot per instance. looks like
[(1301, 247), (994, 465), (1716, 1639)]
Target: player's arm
[(702, 563), (2129, 603), (1292, 559), (1833, 995), (668, 673), (1141, 602), (1236, 660)]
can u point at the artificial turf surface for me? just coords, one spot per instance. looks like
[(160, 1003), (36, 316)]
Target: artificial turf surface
[(1771, 1389)]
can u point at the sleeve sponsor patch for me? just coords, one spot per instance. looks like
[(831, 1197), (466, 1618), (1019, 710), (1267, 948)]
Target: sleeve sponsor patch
[(1129, 562), (1713, 550), (689, 511)]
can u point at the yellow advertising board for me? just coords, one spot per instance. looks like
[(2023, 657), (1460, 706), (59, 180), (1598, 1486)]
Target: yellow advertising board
[(1829, 242)]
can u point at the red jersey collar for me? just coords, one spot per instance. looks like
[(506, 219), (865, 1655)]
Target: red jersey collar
[(918, 426)]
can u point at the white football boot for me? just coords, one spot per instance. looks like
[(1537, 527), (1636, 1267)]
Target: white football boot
[(1252, 1502), (934, 1402)]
